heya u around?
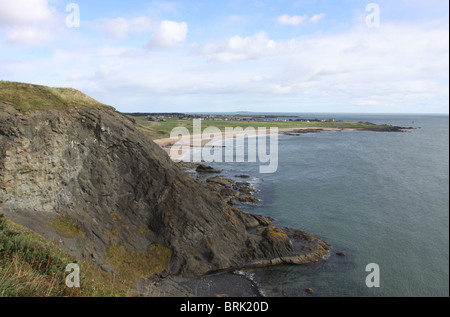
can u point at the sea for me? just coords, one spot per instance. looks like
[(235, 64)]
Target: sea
[(380, 199)]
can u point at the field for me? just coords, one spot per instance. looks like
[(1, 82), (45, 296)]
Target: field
[(160, 130)]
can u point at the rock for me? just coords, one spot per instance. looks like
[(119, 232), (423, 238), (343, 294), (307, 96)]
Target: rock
[(248, 199), (290, 246), (387, 128), (243, 187), (245, 190), (201, 168), (242, 176), (242, 184), (262, 220), (97, 169), (187, 165), (6, 110), (253, 220), (225, 182), (127, 199)]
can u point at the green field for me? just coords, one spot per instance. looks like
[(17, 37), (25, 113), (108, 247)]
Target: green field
[(159, 130)]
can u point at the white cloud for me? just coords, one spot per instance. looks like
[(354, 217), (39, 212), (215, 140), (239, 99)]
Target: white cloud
[(140, 24), (169, 34), (24, 12), (317, 17), (292, 20), (119, 28), (115, 28), (296, 20), (28, 35), (29, 22), (398, 64), (240, 48), (358, 69), (164, 7)]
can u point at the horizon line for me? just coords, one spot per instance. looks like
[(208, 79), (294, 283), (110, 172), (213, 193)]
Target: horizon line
[(289, 112)]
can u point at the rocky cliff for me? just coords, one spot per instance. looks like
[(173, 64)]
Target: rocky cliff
[(87, 179)]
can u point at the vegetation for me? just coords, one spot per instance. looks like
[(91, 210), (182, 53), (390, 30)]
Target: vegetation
[(132, 265), (162, 129), (27, 97), (275, 233), (34, 267), (67, 226)]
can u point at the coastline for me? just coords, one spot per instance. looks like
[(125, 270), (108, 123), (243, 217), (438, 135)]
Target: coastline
[(232, 283), (235, 282), (199, 140), (165, 142)]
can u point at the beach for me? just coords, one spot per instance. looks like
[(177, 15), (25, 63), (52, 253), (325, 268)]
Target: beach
[(165, 142), (210, 140)]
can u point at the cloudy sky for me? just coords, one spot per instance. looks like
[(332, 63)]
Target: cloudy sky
[(234, 55)]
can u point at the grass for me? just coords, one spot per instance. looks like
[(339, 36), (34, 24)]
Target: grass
[(67, 227), (27, 97), (132, 265), (31, 266), (160, 130)]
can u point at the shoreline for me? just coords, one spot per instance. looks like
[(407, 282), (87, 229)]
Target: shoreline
[(237, 283), (202, 140), (165, 142)]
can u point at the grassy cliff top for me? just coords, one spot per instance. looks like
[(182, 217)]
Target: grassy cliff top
[(29, 97)]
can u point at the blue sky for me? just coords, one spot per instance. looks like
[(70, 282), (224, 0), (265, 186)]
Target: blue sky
[(235, 55)]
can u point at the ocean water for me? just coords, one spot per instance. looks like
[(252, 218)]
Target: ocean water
[(377, 197)]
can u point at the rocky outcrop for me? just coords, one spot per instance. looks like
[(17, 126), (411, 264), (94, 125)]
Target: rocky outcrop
[(290, 246), (201, 168), (248, 199), (225, 182), (369, 127), (87, 179)]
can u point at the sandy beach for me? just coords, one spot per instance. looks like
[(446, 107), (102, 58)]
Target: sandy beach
[(205, 140), (166, 142)]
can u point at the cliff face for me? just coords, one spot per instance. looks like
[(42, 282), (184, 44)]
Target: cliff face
[(87, 179)]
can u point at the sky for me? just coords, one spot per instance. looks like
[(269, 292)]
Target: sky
[(387, 56)]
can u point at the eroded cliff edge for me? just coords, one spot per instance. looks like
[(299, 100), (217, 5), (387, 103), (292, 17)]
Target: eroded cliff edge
[(87, 179)]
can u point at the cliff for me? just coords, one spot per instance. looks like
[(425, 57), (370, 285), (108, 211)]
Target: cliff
[(80, 174)]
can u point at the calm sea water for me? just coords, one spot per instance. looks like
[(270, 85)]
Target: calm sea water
[(378, 197)]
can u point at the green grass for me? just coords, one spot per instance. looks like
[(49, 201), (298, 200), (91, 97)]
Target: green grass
[(31, 266), (67, 227), (27, 97), (159, 130), (132, 265)]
